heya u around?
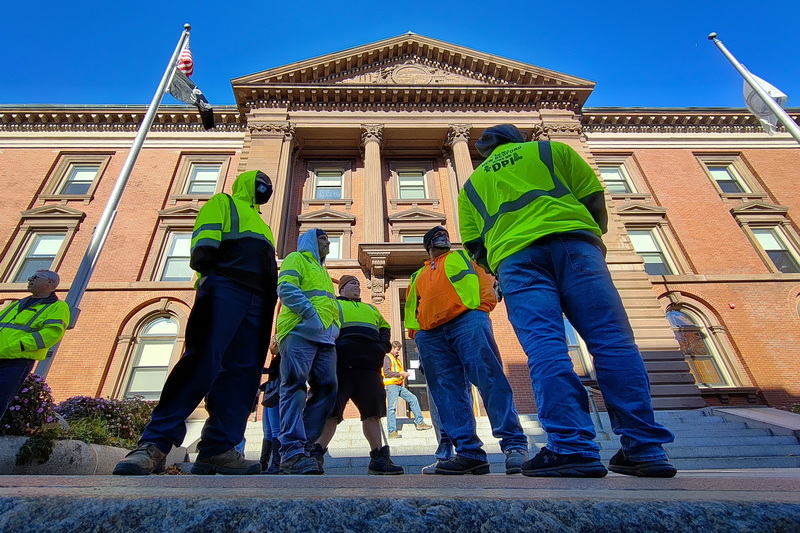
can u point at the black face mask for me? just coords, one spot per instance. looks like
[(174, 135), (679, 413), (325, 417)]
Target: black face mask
[(263, 188)]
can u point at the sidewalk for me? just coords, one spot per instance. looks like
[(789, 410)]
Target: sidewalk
[(763, 500)]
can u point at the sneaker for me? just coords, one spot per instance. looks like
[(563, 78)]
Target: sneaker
[(381, 464), (301, 464), (430, 469), (460, 465), (317, 452), (230, 463), (394, 435), (514, 459), (146, 459), (621, 464), (423, 426), (550, 464)]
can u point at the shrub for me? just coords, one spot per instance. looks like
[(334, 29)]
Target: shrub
[(115, 422), (30, 410)]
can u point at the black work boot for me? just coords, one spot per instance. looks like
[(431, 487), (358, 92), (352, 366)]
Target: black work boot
[(381, 464), (275, 465), (318, 452), (266, 453)]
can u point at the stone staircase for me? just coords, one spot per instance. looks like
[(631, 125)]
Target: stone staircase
[(705, 439)]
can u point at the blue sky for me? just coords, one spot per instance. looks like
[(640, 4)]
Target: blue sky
[(652, 54)]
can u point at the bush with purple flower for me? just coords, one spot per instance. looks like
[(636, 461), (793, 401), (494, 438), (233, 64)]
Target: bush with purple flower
[(30, 410)]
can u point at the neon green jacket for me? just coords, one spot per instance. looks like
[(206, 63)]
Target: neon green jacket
[(231, 239), (29, 333), (521, 193), (309, 306)]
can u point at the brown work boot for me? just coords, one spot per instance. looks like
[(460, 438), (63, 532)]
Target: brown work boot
[(143, 461), (230, 463), (423, 426)]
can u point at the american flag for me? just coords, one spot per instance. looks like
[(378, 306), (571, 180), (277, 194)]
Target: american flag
[(185, 62)]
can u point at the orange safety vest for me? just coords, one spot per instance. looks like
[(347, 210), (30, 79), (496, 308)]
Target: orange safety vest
[(397, 366)]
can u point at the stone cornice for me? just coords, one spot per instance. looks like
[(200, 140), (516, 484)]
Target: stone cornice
[(673, 120), (411, 96), (113, 119)]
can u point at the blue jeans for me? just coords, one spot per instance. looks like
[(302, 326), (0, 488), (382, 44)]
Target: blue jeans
[(303, 411), (271, 422), (561, 274), (460, 352), (444, 450), (12, 375), (392, 393)]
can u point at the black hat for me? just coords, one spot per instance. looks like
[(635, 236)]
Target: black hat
[(426, 240), (493, 137)]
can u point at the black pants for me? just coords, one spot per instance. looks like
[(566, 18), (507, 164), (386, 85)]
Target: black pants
[(12, 375), (227, 338)]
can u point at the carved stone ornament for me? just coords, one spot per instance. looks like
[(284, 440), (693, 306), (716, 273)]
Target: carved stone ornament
[(271, 128), (371, 132), (377, 282), (410, 72), (458, 132), (570, 128)]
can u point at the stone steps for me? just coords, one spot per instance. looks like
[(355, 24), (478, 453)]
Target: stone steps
[(704, 439)]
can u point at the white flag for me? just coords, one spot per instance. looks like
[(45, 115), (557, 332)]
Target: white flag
[(757, 106)]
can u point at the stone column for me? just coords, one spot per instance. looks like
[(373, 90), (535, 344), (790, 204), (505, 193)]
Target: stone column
[(374, 218), (457, 140)]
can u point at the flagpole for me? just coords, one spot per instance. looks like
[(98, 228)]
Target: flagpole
[(783, 117), (81, 281)]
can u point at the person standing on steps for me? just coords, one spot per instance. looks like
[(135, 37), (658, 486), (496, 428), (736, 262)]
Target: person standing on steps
[(394, 378)]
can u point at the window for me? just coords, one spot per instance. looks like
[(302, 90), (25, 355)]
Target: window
[(616, 179), (726, 178), (328, 184), (75, 176), (732, 176), (647, 243), (417, 239), (203, 178), (156, 343), (199, 176), (411, 184), (577, 352), (175, 265), (39, 255), (336, 247), (701, 355), (777, 248), (78, 179)]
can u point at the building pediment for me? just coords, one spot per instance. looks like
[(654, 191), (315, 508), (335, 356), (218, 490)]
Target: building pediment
[(408, 61), (190, 210), (53, 211), (639, 208), (759, 208), (417, 215), (326, 215)]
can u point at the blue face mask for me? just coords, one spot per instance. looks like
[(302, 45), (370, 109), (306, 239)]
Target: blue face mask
[(441, 241)]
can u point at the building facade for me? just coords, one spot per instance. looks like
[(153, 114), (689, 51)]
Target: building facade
[(372, 144)]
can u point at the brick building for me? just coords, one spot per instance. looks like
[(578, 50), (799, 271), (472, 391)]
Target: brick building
[(372, 144)]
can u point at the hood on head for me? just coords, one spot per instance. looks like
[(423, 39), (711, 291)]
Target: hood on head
[(244, 188), (307, 242), (495, 136)]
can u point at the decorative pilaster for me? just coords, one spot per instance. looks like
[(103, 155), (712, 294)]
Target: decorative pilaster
[(371, 137), (458, 141)]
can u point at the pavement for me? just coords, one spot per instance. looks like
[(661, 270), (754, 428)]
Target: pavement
[(753, 500)]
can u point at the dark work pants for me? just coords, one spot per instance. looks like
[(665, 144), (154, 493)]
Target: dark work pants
[(226, 344), (12, 375)]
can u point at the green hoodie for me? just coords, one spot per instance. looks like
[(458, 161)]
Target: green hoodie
[(231, 239)]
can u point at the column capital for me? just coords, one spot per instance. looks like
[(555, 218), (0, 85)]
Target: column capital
[(371, 132), (458, 132), (273, 129)]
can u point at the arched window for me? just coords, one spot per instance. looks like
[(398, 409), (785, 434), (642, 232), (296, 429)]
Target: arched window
[(155, 344), (697, 346), (581, 361)]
